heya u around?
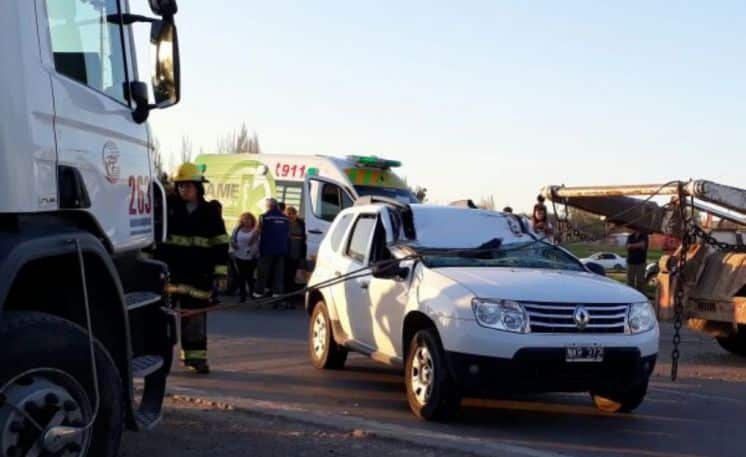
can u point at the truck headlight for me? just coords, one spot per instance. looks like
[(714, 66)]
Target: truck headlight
[(504, 315), (641, 317)]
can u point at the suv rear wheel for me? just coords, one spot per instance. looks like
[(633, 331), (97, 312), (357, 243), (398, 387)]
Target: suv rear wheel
[(324, 352), (431, 392)]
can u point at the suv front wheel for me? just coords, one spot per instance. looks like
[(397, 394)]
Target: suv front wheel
[(431, 392), (324, 352), (624, 401)]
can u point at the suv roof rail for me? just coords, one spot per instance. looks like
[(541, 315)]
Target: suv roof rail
[(373, 199), (468, 203)]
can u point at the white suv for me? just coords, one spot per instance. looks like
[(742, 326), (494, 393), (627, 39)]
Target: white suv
[(474, 303)]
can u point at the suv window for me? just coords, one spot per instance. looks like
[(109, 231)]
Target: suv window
[(361, 236), (86, 47), (328, 200), (339, 231)]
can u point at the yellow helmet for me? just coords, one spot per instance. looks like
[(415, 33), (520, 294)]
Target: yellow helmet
[(189, 172)]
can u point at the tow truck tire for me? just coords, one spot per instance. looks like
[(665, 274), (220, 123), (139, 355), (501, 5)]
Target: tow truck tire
[(324, 352), (621, 402), (47, 365), (735, 344), (431, 392)]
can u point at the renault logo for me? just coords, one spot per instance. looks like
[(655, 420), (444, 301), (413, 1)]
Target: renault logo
[(581, 317)]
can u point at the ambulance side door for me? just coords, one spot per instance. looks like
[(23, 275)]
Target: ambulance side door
[(323, 199)]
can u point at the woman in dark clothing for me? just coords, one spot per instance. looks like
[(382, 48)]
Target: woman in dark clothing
[(245, 244), (297, 248)]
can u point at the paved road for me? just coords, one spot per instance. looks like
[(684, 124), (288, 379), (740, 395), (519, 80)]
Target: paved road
[(259, 361)]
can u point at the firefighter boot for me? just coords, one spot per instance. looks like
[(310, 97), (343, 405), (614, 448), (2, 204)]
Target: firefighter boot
[(198, 366)]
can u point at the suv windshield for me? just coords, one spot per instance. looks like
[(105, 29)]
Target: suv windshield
[(531, 254), (403, 195)]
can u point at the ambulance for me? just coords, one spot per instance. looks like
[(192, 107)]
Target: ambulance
[(319, 186)]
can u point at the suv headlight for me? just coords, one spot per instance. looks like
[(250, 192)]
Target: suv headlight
[(641, 317), (504, 315)]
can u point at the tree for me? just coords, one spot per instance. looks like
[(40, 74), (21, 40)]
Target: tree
[(239, 142), (487, 203), (586, 224), (421, 193), (186, 149), (156, 156)]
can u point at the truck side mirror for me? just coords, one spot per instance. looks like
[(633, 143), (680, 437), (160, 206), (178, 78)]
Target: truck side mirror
[(164, 7), (167, 75), (138, 93)]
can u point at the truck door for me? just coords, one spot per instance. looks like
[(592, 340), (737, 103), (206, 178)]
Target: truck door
[(91, 64), (323, 199)]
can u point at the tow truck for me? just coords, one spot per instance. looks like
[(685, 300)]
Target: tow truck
[(83, 313), (712, 296)]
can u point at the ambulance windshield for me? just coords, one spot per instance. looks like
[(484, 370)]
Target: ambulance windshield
[(403, 195)]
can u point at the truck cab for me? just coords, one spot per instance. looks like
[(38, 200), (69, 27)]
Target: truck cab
[(78, 207)]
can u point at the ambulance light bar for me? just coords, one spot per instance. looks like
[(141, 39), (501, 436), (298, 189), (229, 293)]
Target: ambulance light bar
[(374, 162)]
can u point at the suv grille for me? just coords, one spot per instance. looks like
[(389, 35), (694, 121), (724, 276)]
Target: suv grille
[(560, 318)]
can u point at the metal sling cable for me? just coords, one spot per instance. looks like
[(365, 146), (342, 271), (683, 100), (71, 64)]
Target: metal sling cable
[(355, 274)]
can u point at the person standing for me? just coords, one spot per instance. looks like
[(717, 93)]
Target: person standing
[(245, 244), (274, 231), (540, 223), (296, 249), (195, 250), (637, 255)]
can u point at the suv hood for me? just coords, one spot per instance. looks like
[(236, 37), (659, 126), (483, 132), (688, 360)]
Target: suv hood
[(523, 284)]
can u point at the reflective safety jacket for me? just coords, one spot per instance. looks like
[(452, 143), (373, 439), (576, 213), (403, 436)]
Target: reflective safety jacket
[(196, 248)]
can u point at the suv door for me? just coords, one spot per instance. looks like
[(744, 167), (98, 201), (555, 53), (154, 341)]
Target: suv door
[(388, 297), (90, 71), (351, 297), (323, 199)]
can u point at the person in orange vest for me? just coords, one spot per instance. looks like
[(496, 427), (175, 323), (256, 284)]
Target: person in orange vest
[(196, 250)]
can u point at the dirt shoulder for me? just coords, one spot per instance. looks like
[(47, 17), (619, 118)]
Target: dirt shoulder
[(192, 429)]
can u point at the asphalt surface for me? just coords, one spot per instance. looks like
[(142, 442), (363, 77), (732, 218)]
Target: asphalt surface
[(259, 361)]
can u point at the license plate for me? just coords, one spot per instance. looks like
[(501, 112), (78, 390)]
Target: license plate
[(584, 354)]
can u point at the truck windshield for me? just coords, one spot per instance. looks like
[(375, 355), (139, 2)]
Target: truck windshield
[(531, 254), (403, 195)]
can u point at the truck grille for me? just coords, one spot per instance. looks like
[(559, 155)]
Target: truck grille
[(560, 318)]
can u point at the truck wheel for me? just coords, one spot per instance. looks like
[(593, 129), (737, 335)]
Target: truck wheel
[(735, 344), (325, 353), (45, 375), (431, 392), (623, 402)]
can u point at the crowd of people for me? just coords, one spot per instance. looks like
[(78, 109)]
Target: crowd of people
[(267, 255)]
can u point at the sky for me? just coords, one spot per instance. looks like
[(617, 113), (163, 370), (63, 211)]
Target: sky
[(476, 98)]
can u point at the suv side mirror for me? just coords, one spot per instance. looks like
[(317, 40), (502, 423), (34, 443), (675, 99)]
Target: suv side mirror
[(596, 268), (390, 271)]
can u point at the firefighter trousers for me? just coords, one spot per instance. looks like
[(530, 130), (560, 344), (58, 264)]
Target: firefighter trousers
[(193, 330)]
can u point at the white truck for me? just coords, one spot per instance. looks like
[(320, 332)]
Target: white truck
[(82, 311)]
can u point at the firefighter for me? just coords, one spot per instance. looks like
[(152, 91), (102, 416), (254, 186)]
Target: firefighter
[(196, 250)]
